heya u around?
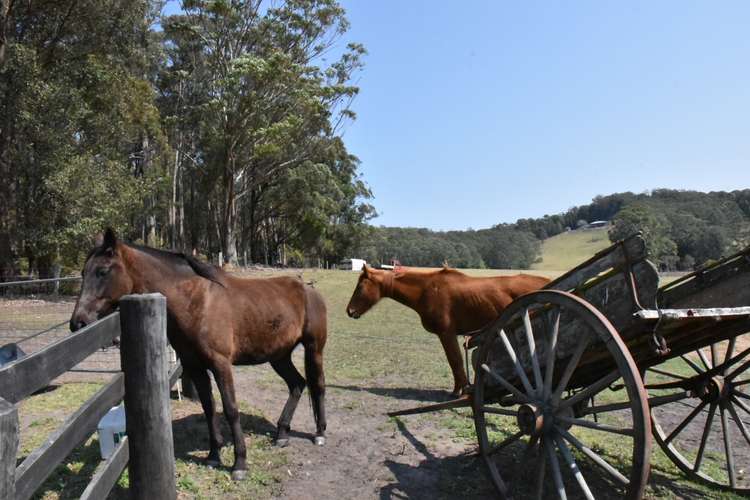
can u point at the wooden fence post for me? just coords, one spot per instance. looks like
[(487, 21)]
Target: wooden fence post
[(8, 448), (145, 361)]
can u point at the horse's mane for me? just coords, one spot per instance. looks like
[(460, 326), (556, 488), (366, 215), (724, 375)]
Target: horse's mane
[(202, 269)]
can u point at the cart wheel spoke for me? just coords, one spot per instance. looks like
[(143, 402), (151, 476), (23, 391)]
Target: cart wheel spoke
[(714, 355), (506, 442), (541, 469), (704, 438), (550, 366), (703, 359), (730, 351), (594, 457), (532, 351), (597, 426), (691, 363), (740, 369), (741, 404), (516, 363), (740, 394), (521, 396), (728, 447), (668, 374), (569, 369), (685, 422), (591, 390), (574, 467), (741, 382), (499, 411), (556, 475), (739, 422)]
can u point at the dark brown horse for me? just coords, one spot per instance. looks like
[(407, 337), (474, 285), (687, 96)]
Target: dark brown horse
[(215, 321), (448, 302)]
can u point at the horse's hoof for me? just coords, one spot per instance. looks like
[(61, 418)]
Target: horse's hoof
[(212, 464), (239, 475), (320, 440), (282, 442)]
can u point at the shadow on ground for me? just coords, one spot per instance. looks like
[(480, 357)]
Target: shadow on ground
[(464, 476), (191, 434), (456, 477), (409, 393)]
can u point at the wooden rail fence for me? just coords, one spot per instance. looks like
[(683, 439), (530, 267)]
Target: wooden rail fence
[(144, 384)]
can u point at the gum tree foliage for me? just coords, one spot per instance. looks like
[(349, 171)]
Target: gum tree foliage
[(256, 114), (77, 120), (217, 130)]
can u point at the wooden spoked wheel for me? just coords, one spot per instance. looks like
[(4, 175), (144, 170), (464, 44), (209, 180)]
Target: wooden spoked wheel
[(540, 440), (704, 425)]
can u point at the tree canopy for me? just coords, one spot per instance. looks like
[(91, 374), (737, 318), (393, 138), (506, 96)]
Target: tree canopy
[(217, 130)]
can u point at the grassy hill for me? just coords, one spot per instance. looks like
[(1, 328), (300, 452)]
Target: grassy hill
[(566, 250)]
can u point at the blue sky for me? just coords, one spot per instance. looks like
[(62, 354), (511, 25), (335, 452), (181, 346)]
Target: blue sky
[(479, 112), (473, 113)]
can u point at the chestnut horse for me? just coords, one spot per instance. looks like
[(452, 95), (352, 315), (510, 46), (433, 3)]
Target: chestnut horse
[(448, 302), (214, 321)]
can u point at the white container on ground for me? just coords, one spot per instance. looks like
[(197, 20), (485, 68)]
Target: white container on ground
[(111, 430)]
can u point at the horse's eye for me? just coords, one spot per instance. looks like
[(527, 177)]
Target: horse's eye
[(101, 272)]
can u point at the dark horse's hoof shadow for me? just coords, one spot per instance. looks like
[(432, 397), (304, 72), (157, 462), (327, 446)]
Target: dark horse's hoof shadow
[(190, 435), (407, 393)]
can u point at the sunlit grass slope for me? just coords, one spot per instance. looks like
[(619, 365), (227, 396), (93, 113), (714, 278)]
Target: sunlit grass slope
[(567, 250)]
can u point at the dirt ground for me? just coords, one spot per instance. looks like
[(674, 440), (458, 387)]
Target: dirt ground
[(383, 362), (367, 454)]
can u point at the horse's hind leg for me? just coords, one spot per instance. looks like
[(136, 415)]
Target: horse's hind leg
[(316, 380), (203, 386), (222, 371), (296, 384), (314, 339)]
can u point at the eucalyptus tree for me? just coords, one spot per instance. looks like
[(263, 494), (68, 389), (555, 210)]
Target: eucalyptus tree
[(267, 110), (75, 114)]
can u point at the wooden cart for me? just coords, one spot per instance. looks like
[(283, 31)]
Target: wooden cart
[(571, 381)]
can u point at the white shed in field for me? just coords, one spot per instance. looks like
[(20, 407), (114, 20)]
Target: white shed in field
[(353, 264)]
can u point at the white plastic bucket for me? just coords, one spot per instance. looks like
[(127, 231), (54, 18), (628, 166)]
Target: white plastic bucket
[(111, 430)]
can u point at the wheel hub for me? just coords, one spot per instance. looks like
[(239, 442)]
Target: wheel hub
[(530, 419), (715, 389)]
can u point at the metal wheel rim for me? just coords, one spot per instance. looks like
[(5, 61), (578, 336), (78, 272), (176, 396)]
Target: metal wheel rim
[(626, 368)]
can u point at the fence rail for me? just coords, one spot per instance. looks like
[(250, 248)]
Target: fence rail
[(6, 284), (35, 313), (23, 377)]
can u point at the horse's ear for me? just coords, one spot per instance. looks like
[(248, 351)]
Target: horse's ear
[(366, 271), (99, 239), (109, 241)]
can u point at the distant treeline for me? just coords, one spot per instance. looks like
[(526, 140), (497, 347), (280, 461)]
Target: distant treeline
[(682, 228)]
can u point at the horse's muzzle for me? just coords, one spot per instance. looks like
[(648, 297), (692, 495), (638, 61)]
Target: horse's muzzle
[(76, 324), (352, 313)]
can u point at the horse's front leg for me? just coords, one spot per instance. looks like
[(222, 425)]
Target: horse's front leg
[(455, 360), (224, 379)]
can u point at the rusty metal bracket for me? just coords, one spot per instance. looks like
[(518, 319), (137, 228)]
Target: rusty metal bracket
[(630, 277), (658, 341)]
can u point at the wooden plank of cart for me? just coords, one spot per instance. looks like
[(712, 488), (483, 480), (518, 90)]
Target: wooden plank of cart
[(572, 382)]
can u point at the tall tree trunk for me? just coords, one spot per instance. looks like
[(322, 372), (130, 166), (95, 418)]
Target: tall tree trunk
[(4, 16)]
